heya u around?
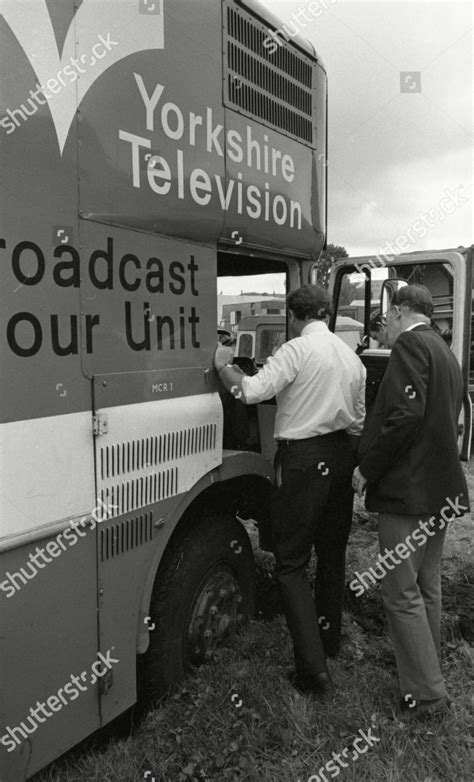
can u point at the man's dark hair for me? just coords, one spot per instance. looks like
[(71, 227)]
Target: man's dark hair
[(416, 297), (310, 301), (376, 321)]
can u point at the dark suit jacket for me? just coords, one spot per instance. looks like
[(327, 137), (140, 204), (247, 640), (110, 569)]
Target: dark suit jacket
[(409, 451)]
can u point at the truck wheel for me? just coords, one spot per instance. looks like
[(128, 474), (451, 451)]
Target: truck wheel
[(204, 591)]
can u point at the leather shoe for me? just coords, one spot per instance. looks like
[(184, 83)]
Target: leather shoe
[(409, 707), (311, 684)]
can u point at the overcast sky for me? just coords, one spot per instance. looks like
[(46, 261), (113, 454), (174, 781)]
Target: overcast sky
[(394, 154)]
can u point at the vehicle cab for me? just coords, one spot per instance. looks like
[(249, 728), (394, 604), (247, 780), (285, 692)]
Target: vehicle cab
[(448, 275)]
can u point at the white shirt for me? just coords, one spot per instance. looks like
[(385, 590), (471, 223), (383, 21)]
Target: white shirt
[(319, 384)]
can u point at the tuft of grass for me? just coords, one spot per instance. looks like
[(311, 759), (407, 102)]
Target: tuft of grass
[(238, 718)]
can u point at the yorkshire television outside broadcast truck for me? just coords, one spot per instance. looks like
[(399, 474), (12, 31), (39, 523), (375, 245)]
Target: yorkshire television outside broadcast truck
[(148, 150)]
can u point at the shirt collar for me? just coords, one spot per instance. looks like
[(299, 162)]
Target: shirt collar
[(315, 325), (414, 325)]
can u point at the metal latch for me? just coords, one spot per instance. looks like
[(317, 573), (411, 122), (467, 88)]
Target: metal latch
[(100, 424)]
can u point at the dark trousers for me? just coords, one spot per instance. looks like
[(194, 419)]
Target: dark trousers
[(313, 507)]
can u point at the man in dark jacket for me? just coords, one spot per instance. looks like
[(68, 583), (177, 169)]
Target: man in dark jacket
[(410, 463)]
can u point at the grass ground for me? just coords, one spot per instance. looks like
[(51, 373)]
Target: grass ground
[(239, 719)]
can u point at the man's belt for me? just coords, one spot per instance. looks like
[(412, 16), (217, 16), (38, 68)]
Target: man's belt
[(285, 441)]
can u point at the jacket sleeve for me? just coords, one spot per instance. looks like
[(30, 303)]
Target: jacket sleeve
[(406, 383), (359, 406)]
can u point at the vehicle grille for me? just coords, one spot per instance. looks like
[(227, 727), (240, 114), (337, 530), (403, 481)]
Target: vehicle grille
[(125, 535), (147, 452), (137, 473), (273, 88)]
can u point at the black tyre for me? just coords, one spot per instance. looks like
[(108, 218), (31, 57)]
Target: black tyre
[(204, 591)]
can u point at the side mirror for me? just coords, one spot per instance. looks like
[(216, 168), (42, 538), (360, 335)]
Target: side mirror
[(389, 289)]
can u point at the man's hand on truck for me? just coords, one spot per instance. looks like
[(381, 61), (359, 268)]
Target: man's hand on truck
[(229, 374)]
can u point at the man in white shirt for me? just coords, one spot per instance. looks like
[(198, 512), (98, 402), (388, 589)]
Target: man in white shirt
[(319, 385)]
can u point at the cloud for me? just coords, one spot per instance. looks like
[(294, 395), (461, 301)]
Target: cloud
[(392, 154), (365, 216)]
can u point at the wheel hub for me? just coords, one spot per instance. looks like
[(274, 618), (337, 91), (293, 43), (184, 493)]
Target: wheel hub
[(215, 615)]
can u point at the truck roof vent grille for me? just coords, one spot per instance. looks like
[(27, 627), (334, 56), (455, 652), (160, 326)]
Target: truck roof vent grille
[(274, 88)]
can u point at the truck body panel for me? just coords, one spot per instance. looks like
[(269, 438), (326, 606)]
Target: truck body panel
[(144, 148)]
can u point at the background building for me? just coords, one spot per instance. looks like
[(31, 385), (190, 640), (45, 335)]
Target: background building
[(231, 309)]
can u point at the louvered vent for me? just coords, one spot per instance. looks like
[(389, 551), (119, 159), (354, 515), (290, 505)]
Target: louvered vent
[(125, 535), (276, 88), (137, 473), (137, 492), (123, 458)]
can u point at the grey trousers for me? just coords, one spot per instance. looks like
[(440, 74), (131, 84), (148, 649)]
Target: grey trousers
[(411, 593)]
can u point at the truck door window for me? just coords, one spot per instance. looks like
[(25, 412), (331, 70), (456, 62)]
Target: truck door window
[(245, 345), (350, 309), (269, 339), (438, 278)]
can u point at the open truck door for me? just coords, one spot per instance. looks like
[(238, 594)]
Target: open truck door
[(369, 282)]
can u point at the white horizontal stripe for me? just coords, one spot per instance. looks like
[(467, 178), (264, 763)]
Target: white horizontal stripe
[(46, 470), (47, 464)]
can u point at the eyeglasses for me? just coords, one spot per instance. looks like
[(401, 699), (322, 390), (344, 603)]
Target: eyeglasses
[(392, 308)]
